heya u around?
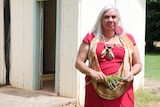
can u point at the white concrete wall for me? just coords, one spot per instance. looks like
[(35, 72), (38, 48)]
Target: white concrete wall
[(21, 59), (67, 46), (2, 56)]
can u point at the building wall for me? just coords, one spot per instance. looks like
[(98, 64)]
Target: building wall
[(67, 48), (21, 59)]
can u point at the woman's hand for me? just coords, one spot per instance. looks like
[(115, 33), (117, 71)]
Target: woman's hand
[(129, 77), (98, 76)]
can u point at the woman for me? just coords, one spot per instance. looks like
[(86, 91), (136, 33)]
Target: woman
[(110, 54)]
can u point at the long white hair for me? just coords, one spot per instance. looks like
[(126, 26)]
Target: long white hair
[(97, 29)]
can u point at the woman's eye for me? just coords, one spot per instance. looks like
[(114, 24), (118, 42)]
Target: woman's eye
[(113, 17), (106, 17)]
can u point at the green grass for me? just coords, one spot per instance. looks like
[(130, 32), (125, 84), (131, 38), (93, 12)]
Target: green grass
[(152, 66), (146, 96), (143, 98)]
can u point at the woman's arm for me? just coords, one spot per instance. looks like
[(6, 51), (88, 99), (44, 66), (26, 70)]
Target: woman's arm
[(137, 65), (81, 59), (82, 67)]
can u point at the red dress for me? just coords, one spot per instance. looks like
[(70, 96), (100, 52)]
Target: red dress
[(108, 67)]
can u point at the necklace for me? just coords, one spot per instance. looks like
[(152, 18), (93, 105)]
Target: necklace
[(107, 51)]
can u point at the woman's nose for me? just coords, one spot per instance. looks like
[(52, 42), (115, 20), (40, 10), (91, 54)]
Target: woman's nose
[(110, 19)]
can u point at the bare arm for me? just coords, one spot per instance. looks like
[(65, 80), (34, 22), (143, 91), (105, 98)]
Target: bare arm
[(137, 65), (81, 59), (82, 67)]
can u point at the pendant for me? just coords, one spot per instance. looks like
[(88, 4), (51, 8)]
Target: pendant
[(107, 51)]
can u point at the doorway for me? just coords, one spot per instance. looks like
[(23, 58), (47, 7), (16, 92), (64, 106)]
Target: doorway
[(49, 46)]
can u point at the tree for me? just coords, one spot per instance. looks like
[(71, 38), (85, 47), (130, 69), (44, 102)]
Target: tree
[(152, 23)]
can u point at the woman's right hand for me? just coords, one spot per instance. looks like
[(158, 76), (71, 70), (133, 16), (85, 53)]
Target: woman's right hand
[(98, 76)]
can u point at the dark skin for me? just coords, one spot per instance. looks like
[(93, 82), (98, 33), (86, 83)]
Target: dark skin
[(80, 64)]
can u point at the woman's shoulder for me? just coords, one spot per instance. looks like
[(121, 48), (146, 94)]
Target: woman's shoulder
[(131, 38), (88, 38)]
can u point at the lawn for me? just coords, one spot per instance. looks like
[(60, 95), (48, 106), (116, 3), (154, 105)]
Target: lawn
[(152, 66), (144, 97)]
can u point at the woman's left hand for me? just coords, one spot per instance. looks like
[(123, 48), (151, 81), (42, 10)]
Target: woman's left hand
[(129, 77)]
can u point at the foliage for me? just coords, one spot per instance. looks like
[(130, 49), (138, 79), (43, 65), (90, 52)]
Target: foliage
[(152, 23)]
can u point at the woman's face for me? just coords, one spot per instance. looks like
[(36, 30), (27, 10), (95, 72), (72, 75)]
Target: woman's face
[(110, 20)]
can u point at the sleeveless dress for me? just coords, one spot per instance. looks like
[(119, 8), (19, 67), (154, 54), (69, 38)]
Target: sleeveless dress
[(108, 67)]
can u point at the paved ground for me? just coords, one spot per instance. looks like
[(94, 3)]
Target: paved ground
[(12, 97)]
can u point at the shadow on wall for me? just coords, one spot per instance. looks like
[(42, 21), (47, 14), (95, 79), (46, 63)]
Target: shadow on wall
[(7, 37)]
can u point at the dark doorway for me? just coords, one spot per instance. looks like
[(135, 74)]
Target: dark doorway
[(49, 45)]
